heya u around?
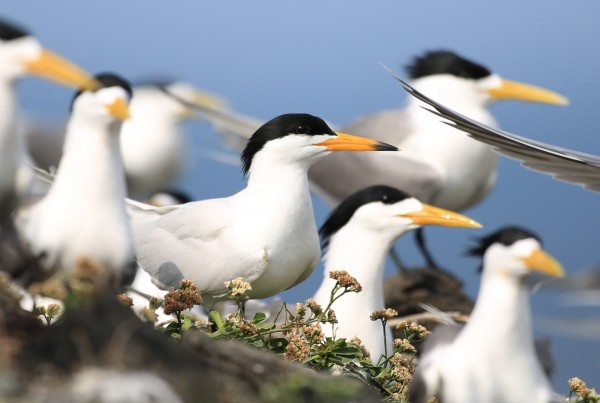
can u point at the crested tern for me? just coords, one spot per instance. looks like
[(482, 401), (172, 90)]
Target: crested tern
[(493, 357), (82, 222), (265, 234), (357, 237)]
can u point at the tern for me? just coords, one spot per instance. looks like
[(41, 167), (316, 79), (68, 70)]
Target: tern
[(21, 54), (82, 221), (265, 234), (357, 237), (493, 358), (152, 140), (436, 165), (562, 163)]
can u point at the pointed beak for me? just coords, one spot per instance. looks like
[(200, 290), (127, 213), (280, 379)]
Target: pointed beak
[(348, 142), (524, 92), (544, 263), (118, 109), (53, 67), (437, 216)]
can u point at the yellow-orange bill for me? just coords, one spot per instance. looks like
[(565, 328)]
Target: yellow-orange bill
[(118, 109), (525, 92), (53, 67), (348, 142), (544, 263), (431, 215)]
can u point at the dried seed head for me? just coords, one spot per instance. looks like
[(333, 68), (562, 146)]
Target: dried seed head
[(125, 300), (297, 349), (184, 298), (386, 314), (346, 280), (404, 346), (314, 307), (238, 287), (579, 387)]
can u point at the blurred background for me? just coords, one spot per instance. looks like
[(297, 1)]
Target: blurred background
[(274, 57)]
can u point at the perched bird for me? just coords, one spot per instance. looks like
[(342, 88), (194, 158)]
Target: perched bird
[(152, 140), (82, 221), (21, 54), (265, 234), (436, 165), (563, 164), (493, 358), (357, 237)]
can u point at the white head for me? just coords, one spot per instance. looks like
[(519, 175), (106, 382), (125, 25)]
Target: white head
[(452, 79), (299, 138), (386, 213), (515, 252), (105, 106)]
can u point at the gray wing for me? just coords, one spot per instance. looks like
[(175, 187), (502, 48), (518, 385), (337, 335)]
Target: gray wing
[(391, 126), (561, 163), (343, 173)]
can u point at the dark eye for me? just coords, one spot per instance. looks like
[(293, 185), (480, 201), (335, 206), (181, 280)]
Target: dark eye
[(302, 129)]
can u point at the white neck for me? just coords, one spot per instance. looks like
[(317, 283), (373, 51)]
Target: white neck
[(91, 163), (362, 255), (501, 313)]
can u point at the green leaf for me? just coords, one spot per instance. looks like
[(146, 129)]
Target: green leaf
[(216, 317), (259, 317)]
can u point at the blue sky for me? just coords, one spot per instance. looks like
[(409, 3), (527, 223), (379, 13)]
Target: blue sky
[(323, 58)]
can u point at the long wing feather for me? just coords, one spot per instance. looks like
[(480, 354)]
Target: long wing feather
[(561, 163)]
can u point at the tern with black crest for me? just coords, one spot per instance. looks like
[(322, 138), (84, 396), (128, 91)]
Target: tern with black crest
[(265, 234)]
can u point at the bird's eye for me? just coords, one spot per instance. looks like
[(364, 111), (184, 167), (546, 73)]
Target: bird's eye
[(302, 129)]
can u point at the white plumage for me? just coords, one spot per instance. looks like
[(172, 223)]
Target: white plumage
[(358, 235), (82, 220), (265, 234), (493, 358)]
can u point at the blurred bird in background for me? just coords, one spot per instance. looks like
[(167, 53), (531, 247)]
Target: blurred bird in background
[(21, 54), (81, 223), (492, 358), (152, 141)]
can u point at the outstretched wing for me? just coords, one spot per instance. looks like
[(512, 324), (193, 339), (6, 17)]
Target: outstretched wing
[(562, 163)]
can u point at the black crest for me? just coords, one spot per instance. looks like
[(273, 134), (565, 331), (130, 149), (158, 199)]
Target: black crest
[(445, 62), (344, 212), (281, 126), (109, 80), (9, 31), (505, 236)]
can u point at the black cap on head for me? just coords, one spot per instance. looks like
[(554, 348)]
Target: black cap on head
[(344, 212), (506, 236), (9, 31), (281, 126), (108, 80), (445, 62)]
